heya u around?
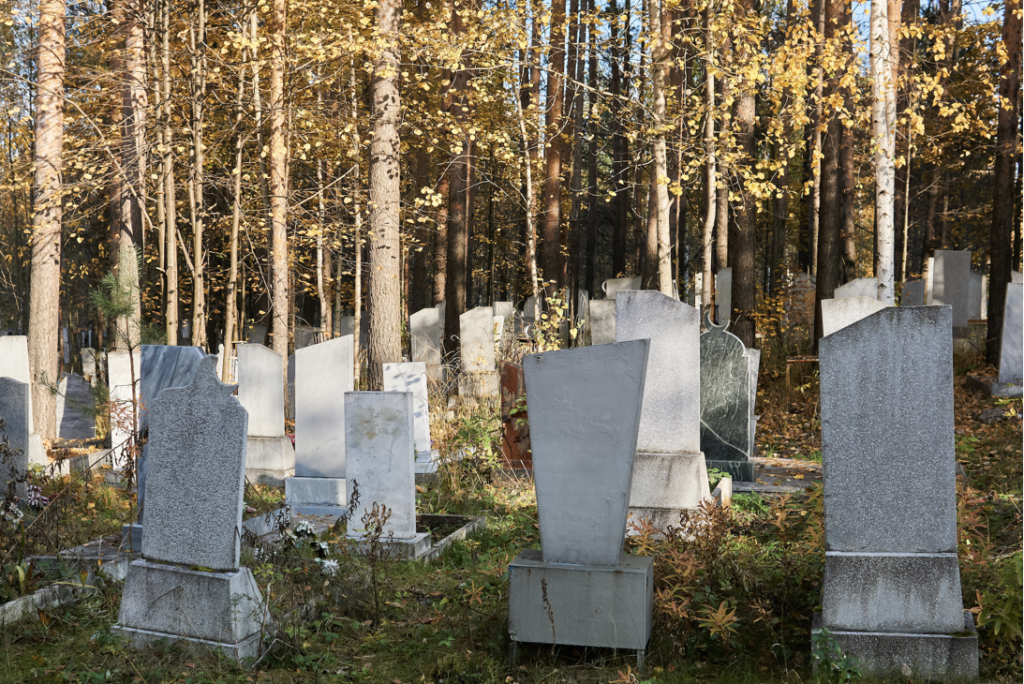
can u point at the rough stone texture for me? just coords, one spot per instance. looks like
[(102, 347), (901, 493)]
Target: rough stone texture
[(672, 481), (425, 338), (216, 610), (261, 389), (347, 326), (476, 328), (913, 293), (290, 408), (886, 411), (315, 490), (164, 367), (754, 361), (861, 287), (838, 313), (723, 295), (89, 364), (380, 449), (1011, 366), (977, 297), (671, 410), (951, 282), (590, 605), (269, 460), (602, 321), (196, 474), (724, 396), (119, 379), (933, 657), (613, 286), (14, 365), (15, 410), (412, 377), (585, 414), (871, 592), (323, 373)]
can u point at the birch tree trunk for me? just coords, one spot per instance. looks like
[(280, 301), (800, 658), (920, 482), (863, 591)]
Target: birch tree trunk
[(236, 214), (883, 115), (197, 188), (278, 185), (660, 181), (707, 284), (170, 205)]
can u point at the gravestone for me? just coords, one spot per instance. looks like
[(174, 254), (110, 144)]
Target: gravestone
[(580, 589), (613, 286), (257, 334), (196, 481), (425, 340), (725, 402), (164, 367), (669, 474), (65, 344), (89, 365), (120, 370), (15, 414), (1011, 367), (412, 378), (1016, 277), (323, 373), (836, 314), (602, 321), (860, 287), (723, 295), (505, 309), (305, 336), (913, 293), (530, 309), (289, 411), (380, 448), (977, 297), (891, 595), (950, 278), (14, 365), (347, 326), (754, 358), (479, 378), (269, 453)]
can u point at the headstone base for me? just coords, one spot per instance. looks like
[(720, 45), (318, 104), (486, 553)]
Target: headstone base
[(892, 592), (132, 538), (741, 471), (943, 657), (990, 387), (479, 384), (604, 606), (411, 548), (664, 485), (269, 460), (426, 461), (316, 495), (213, 610)]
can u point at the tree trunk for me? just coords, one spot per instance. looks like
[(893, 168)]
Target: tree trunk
[(780, 205), (236, 215), (744, 288), (620, 153), (707, 285), (883, 114), (278, 184), (551, 256), (170, 209), (659, 172), (197, 186), (722, 189), (592, 200), (847, 151), (441, 238), (44, 294), (1000, 246), (531, 229), (357, 230)]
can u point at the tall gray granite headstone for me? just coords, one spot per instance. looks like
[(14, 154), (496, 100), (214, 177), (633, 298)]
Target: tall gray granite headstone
[(425, 340), (838, 313), (194, 517), (725, 410), (860, 287), (669, 474), (951, 284), (602, 321), (1011, 367), (14, 365), (163, 367), (270, 455), (15, 410), (891, 595), (585, 410), (479, 376), (412, 377), (977, 297)]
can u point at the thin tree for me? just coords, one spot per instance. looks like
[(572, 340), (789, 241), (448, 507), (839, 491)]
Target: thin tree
[(551, 222), (591, 272), (659, 65), (883, 125), (278, 183), (170, 206), (197, 186), (707, 284)]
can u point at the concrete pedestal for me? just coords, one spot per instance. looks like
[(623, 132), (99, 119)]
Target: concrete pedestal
[(426, 461), (605, 606), (316, 495), (941, 657), (664, 485), (411, 548), (269, 460), (213, 610)]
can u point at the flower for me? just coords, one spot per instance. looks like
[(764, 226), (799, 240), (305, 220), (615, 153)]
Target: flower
[(304, 529), (329, 567), (35, 496)]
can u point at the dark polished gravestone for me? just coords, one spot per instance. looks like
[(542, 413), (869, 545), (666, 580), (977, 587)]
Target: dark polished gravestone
[(725, 402)]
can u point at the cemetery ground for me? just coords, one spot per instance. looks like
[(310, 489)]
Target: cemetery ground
[(735, 588)]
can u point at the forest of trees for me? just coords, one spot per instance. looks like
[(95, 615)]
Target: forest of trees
[(283, 162)]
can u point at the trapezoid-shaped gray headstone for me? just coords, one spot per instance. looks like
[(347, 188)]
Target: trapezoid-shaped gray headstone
[(195, 475), (323, 373), (724, 395), (951, 283), (585, 406), (261, 389)]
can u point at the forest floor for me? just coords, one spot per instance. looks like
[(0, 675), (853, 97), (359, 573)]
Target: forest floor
[(734, 588)]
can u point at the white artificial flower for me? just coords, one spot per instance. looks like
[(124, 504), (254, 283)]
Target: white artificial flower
[(330, 567)]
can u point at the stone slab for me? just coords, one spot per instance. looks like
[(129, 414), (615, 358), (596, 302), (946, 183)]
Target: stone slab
[(613, 286), (261, 389), (723, 295), (14, 364), (951, 282), (415, 547), (838, 313), (257, 334), (887, 410), (163, 367), (913, 293), (859, 287), (269, 460), (315, 490), (119, 378), (219, 610), (476, 330), (585, 413), (670, 421), (606, 606), (602, 321), (412, 377), (504, 309), (380, 450), (196, 474), (724, 395), (977, 297), (425, 337), (1011, 364), (323, 373), (932, 657), (15, 409), (89, 366), (673, 481)]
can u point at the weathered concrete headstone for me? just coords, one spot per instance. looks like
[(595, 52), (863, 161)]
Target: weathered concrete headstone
[(602, 321), (951, 282), (530, 308), (479, 377), (669, 474), (836, 314), (15, 412), (305, 336), (193, 520), (323, 373), (380, 448), (257, 334), (977, 297), (14, 365), (613, 286), (725, 410), (412, 378), (723, 295), (120, 370), (860, 287), (891, 595), (1011, 366), (89, 364), (65, 339), (913, 293), (269, 453), (505, 309), (425, 339), (579, 589)]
